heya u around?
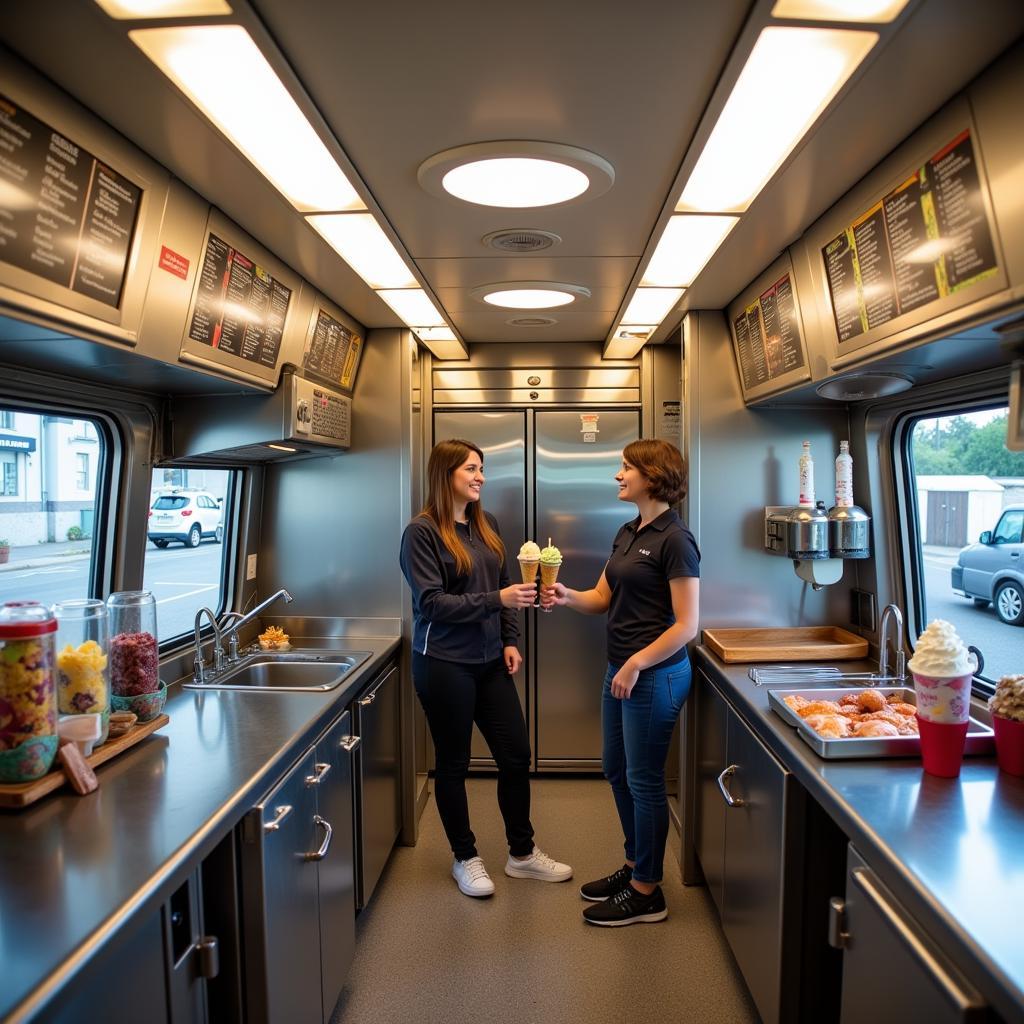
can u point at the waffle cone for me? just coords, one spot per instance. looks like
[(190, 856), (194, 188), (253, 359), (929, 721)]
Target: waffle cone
[(549, 574), (528, 567)]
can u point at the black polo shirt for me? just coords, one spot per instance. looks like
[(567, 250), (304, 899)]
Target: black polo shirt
[(641, 564)]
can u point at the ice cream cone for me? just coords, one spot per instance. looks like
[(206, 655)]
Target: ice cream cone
[(528, 567), (549, 573)]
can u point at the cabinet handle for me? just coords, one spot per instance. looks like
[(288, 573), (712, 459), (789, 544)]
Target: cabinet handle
[(321, 773), (732, 801), (325, 845), (959, 994), (280, 813), (368, 699), (208, 956), (837, 937), (349, 743)]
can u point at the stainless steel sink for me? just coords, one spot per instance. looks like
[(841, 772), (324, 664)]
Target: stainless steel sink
[(288, 670)]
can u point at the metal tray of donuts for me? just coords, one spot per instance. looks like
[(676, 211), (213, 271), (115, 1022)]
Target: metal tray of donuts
[(979, 736)]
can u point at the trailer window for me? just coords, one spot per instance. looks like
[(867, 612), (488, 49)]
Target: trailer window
[(50, 468), (186, 561), (969, 489)]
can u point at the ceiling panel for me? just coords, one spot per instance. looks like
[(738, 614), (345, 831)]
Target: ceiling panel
[(612, 272), (574, 326)]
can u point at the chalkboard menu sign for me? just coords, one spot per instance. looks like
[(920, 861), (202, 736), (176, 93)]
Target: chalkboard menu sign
[(766, 333), (333, 350), (928, 238), (240, 308), (64, 215)]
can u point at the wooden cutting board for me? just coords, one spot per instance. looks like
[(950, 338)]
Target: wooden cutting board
[(21, 794), (799, 643)]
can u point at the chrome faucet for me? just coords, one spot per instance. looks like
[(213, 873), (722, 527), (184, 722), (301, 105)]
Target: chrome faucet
[(198, 674), (237, 620), (890, 611)]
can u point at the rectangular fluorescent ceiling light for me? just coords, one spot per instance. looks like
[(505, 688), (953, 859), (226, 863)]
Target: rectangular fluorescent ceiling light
[(878, 12), (360, 241), (623, 348), (790, 77), (413, 306), (650, 305), (131, 10), (426, 334), (447, 349), (685, 246), (223, 72)]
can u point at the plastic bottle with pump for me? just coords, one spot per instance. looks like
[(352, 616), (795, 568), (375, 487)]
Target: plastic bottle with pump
[(806, 477), (844, 476)]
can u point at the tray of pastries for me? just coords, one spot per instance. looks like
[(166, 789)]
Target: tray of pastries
[(876, 721)]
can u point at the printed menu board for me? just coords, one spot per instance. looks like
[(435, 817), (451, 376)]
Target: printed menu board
[(333, 351), (767, 336), (240, 308), (64, 215), (926, 239)]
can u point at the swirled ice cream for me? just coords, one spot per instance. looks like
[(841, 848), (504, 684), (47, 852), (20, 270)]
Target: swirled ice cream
[(529, 552), (940, 652), (550, 563), (1008, 700)]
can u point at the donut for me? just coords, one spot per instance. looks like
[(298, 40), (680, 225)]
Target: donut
[(819, 707), (870, 700), (875, 728), (829, 726), (795, 701)]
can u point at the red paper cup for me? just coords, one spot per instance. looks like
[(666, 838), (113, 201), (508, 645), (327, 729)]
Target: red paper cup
[(1009, 744), (942, 746)]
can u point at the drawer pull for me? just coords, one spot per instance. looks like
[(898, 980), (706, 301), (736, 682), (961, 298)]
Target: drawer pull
[(349, 743), (325, 845), (321, 773), (732, 801), (837, 938), (368, 699), (280, 813), (208, 957)]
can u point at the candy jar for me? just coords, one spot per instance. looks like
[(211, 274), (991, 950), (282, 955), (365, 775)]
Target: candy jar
[(83, 671), (28, 697), (134, 663)]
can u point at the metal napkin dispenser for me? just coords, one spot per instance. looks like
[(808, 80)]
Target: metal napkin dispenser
[(848, 532), (796, 531)]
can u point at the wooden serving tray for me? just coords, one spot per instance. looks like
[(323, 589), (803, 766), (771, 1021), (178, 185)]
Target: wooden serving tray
[(21, 794), (800, 643)]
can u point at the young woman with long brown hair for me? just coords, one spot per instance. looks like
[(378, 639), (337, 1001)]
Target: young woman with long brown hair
[(650, 589), (466, 627)]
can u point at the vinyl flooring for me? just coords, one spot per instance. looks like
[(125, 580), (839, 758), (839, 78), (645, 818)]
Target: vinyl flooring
[(426, 954)]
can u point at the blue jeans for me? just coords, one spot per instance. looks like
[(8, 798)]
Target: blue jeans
[(637, 734)]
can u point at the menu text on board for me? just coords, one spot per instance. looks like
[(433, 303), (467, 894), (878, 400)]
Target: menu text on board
[(767, 334), (240, 308), (926, 239), (65, 216), (333, 350)]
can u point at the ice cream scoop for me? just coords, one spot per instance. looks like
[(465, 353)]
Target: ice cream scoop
[(940, 653), (529, 552), (551, 556)]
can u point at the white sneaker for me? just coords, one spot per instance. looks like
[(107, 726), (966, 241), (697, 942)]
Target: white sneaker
[(538, 865), (472, 877)]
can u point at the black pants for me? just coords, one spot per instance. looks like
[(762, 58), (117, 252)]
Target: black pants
[(454, 696)]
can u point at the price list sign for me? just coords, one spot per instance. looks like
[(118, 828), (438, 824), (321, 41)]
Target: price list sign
[(240, 308), (64, 215), (926, 239), (333, 350), (767, 336)]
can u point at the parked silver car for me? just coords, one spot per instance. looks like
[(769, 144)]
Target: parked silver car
[(993, 569)]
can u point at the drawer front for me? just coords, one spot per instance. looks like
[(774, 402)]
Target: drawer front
[(709, 820), (891, 971)]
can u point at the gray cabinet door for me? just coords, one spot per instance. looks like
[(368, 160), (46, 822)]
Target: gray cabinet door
[(709, 821), (280, 913), (378, 793), (891, 971), (337, 888), (755, 866)]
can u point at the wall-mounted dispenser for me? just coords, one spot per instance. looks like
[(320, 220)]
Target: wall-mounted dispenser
[(848, 532), (816, 540)]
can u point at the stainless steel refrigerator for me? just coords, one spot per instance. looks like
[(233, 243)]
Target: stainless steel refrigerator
[(550, 473)]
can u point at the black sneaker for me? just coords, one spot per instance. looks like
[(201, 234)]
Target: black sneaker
[(628, 907), (605, 888)]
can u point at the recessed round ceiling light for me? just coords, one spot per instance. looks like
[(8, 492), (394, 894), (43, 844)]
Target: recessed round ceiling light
[(529, 294), (521, 175)]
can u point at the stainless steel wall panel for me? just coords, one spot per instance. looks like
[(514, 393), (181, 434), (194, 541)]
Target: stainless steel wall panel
[(538, 396), (541, 376)]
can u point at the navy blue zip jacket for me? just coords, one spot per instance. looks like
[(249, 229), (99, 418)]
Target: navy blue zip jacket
[(456, 617)]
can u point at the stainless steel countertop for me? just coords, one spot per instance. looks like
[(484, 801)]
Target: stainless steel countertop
[(952, 850), (74, 869)]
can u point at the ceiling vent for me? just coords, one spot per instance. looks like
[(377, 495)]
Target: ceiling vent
[(531, 321), (524, 240)]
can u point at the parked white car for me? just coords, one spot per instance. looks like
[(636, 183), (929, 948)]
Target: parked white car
[(187, 517), (993, 569)]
